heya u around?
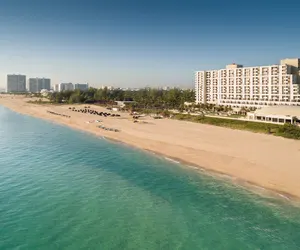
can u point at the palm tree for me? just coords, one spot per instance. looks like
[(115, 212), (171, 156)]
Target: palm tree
[(294, 120)]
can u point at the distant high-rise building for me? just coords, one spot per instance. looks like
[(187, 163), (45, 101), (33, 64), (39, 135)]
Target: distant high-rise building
[(45, 83), (35, 85), (16, 83), (107, 87), (83, 86), (56, 87), (65, 86)]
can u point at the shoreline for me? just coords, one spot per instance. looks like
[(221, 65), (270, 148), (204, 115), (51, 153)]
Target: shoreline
[(250, 185), (245, 184)]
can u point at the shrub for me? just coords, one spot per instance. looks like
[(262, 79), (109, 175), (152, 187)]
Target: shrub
[(287, 130)]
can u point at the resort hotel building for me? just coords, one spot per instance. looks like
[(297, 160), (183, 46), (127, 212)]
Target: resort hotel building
[(259, 86)]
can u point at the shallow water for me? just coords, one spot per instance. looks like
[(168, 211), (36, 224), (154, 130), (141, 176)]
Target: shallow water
[(64, 189)]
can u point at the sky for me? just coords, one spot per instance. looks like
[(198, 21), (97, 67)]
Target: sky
[(138, 43)]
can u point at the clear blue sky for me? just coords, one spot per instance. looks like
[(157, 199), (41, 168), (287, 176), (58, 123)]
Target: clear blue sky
[(138, 43)]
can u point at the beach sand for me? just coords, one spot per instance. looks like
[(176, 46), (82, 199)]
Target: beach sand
[(251, 158)]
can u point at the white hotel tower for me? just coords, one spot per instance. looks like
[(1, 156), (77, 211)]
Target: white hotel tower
[(250, 86)]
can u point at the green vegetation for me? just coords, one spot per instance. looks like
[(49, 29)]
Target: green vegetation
[(235, 116), (287, 130), (235, 124), (147, 101), (37, 95), (156, 101), (39, 101), (145, 98)]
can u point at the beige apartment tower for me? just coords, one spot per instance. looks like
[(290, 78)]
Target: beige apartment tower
[(259, 86)]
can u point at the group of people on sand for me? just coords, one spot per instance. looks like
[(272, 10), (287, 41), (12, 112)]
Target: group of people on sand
[(87, 110), (54, 113)]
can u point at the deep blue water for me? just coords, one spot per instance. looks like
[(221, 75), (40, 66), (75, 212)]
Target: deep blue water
[(64, 189)]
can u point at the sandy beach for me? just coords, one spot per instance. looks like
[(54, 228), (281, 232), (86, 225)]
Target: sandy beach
[(263, 160)]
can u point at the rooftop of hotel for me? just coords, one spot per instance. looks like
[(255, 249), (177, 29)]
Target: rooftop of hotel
[(286, 61), (279, 110)]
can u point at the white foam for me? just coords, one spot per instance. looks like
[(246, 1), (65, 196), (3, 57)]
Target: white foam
[(193, 167), (283, 196), (171, 160), (226, 176)]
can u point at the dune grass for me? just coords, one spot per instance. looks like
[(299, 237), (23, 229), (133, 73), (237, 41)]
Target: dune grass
[(287, 130)]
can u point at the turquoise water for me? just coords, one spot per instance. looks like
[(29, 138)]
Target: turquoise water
[(64, 189)]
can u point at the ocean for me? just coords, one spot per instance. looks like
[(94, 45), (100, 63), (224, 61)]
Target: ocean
[(65, 189)]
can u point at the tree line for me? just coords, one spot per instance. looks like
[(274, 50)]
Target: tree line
[(144, 98)]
